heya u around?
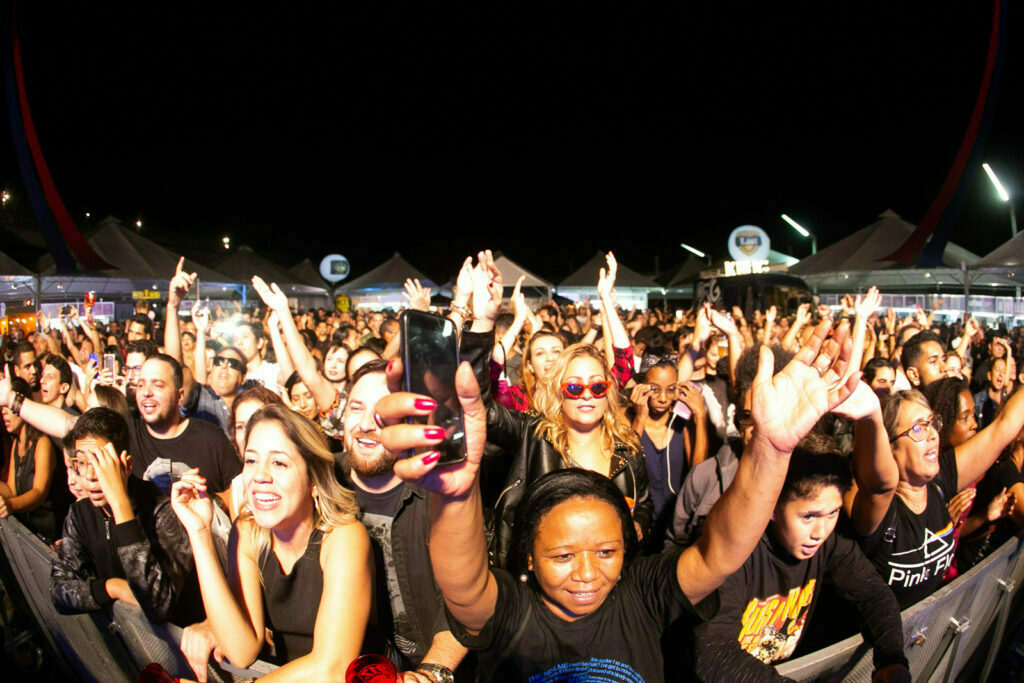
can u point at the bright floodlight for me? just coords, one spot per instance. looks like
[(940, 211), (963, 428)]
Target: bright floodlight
[(1003, 194), (796, 226), (694, 250)]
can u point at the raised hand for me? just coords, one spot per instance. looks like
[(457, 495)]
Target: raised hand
[(191, 502), (824, 312), (866, 305), (722, 321), (639, 397), (848, 305), (703, 327), (487, 287), (272, 295), (417, 295), (606, 279), (201, 317), (803, 314), (769, 316), (6, 393), (451, 481), (786, 406), (464, 282), (112, 472), (42, 323), (863, 402), (960, 504), (178, 288), (1001, 506)]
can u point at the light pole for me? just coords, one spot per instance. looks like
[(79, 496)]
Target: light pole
[(1004, 195), (803, 231), (696, 252)]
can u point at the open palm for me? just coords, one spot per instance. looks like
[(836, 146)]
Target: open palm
[(786, 406)]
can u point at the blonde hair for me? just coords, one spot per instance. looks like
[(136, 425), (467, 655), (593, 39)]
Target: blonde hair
[(527, 376), (334, 505), (615, 428)]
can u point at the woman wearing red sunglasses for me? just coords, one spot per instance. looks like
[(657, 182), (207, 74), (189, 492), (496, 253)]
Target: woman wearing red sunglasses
[(578, 421)]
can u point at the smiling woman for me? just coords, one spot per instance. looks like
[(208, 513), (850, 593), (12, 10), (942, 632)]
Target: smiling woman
[(295, 526)]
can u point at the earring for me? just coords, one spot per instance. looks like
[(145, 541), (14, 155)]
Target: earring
[(523, 578)]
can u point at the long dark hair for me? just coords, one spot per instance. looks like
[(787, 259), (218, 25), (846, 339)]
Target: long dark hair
[(943, 396), (555, 488)]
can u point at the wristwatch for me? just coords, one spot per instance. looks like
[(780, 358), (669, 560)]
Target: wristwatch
[(441, 674)]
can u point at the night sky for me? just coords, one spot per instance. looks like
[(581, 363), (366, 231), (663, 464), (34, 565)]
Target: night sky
[(546, 133)]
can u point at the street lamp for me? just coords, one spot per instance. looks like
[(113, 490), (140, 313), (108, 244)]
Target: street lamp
[(696, 252), (803, 231), (1004, 195)]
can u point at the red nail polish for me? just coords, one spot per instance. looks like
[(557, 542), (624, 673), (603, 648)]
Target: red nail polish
[(391, 364), (433, 433), (432, 456), (425, 404)]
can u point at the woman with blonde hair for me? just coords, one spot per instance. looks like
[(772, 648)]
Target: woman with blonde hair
[(296, 526)]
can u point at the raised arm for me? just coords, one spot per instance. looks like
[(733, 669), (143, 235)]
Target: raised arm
[(803, 316), (727, 326), (784, 408), (701, 332), (201, 317), (177, 290), (613, 327), (47, 419), (863, 307), (976, 455), (292, 344), (874, 468)]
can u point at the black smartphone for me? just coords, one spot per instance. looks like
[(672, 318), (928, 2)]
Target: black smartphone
[(430, 356)]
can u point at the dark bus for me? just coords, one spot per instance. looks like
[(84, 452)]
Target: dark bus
[(753, 292)]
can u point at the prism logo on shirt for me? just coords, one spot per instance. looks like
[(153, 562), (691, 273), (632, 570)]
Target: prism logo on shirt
[(772, 626), (931, 558), (610, 670)]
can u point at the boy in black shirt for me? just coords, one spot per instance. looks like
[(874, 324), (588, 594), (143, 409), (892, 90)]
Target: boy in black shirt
[(766, 605), (123, 541)]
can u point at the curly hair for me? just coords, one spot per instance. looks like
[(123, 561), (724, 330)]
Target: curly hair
[(615, 428), (943, 397)]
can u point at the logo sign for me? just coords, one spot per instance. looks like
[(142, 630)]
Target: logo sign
[(745, 267), (343, 303), (749, 243), (145, 294), (334, 268)]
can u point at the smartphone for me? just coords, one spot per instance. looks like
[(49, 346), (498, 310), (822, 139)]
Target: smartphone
[(681, 410), (94, 359), (430, 356), (109, 362), (65, 310), (679, 314)]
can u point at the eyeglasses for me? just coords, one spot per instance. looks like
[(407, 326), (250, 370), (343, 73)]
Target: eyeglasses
[(575, 389), (919, 430), (233, 363)]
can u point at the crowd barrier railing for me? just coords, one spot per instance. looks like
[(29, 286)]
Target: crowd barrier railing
[(966, 617)]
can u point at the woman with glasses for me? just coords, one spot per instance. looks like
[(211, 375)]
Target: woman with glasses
[(671, 420), (906, 530)]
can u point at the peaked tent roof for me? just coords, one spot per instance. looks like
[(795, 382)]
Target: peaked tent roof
[(134, 256), (392, 273), (686, 274), (9, 266), (510, 272), (588, 274), (242, 263), (1010, 253), (862, 250), (308, 274)]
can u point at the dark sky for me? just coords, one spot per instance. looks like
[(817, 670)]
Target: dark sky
[(546, 133)]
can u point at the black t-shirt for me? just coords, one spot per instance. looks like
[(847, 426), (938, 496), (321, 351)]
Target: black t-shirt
[(201, 444), (618, 643), (767, 604), (1003, 474), (911, 552)]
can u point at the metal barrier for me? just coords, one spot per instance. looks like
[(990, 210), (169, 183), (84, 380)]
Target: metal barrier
[(941, 632)]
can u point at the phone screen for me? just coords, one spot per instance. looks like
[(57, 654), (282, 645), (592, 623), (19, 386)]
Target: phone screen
[(430, 355), (109, 362)]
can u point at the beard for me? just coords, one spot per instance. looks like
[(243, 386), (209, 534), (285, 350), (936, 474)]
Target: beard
[(368, 467)]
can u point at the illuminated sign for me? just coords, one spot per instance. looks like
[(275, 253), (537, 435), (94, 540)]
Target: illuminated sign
[(145, 294), (749, 243), (745, 267)]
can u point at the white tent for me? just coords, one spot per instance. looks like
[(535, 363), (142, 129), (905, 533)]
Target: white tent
[(512, 271), (382, 286), (631, 286)]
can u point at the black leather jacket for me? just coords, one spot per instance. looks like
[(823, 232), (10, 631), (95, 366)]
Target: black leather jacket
[(534, 456)]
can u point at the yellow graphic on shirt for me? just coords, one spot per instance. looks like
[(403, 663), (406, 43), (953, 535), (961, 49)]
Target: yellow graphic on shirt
[(772, 626)]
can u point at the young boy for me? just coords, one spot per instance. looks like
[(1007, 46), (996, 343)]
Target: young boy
[(121, 541), (766, 605)]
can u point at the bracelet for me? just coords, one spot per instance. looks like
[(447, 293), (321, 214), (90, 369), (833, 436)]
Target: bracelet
[(464, 311), (16, 403), (441, 674)]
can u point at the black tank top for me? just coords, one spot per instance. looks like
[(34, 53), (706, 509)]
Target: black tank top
[(291, 601), (41, 519)]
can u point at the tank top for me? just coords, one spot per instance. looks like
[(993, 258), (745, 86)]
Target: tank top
[(291, 601), (39, 520)]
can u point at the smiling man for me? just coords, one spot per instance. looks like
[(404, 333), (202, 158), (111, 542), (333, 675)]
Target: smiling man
[(766, 605)]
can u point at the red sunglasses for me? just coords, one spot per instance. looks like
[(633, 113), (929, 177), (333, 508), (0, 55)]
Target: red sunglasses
[(575, 389)]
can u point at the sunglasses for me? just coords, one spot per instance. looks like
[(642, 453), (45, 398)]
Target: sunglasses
[(575, 389), (232, 363)]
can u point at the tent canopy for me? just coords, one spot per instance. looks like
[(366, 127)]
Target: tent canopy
[(305, 272), (391, 274), (511, 271), (863, 250), (1009, 254), (242, 263), (587, 275)]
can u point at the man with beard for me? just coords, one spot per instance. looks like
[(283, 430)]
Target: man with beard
[(136, 354), (396, 515), (163, 444), (24, 365)]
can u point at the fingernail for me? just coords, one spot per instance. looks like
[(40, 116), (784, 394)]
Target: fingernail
[(433, 433), (391, 364), (378, 421), (425, 404), (431, 457)]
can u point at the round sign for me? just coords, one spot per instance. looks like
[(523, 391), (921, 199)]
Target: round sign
[(334, 268), (749, 243), (342, 302)]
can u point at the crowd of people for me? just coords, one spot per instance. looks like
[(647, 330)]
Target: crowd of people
[(646, 495)]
